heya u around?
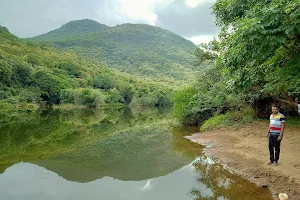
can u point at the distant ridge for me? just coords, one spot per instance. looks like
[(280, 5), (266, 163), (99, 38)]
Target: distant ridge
[(138, 49)]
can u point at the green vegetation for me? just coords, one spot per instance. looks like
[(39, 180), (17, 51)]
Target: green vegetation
[(231, 118), (96, 142), (260, 47), (73, 28), (36, 74), (138, 49), (256, 58), (209, 95), (293, 122)]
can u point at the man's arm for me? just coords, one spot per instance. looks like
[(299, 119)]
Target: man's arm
[(281, 131), (268, 132)]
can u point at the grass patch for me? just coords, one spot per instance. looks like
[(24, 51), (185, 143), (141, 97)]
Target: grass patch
[(293, 121), (232, 118)]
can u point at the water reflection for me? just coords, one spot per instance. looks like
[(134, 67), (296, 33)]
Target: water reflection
[(137, 153), (31, 136), (109, 154)]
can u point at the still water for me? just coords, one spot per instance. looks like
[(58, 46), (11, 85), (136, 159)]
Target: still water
[(111, 155)]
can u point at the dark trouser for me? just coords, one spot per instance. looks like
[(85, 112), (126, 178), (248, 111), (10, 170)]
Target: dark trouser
[(273, 143)]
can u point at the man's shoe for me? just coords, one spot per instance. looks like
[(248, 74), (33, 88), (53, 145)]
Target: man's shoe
[(276, 164), (270, 163)]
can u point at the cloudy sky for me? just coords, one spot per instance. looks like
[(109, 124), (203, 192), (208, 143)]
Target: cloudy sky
[(188, 18)]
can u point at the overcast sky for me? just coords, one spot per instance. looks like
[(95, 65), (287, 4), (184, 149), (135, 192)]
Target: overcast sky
[(188, 18)]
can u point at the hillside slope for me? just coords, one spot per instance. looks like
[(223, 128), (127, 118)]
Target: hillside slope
[(138, 49), (31, 73)]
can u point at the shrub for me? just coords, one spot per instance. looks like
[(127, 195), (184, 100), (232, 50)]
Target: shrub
[(83, 96), (102, 82), (230, 118), (113, 96)]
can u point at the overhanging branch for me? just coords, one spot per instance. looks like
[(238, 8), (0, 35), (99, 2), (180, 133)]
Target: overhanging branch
[(291, 103)]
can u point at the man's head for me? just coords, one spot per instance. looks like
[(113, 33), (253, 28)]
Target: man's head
[(275, 108)]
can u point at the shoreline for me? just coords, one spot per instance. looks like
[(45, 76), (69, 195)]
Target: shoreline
[(245, 152), (32, 106)]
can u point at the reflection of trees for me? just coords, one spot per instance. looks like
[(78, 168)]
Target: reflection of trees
[(32, 135), (225, 185), (185, 146), (139, 153), (82, 116)]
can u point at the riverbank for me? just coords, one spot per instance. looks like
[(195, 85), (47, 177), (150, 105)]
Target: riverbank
[(245, 152)]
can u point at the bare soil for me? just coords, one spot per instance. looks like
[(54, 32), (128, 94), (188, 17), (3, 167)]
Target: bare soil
[(245, 152)]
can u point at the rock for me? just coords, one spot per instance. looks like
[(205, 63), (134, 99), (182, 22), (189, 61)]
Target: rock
[(272, 180), (283, 196)]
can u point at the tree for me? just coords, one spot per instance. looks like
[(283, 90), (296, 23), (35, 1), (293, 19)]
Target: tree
[(207, 51), (102, 82), (5, 72), (114, 96), (50, 87), (260, 46)]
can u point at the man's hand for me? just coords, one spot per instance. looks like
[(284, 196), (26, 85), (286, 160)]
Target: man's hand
[(279, 138)]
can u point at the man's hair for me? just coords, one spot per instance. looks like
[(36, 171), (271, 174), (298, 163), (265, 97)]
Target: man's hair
[(275, 105)]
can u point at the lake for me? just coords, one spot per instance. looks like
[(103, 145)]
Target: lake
[(111, 154)]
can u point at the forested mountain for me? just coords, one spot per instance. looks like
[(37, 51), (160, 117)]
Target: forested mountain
[(73, 28), (138, 49), (31, 73)]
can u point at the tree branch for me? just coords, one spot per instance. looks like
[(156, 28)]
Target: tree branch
[(291, 103), (294, 104)]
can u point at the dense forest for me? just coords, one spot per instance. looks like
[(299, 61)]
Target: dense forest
[(256, 62), (37, 74), (138, 49)]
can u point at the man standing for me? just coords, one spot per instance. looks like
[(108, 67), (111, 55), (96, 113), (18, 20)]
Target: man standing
[(275, 133)]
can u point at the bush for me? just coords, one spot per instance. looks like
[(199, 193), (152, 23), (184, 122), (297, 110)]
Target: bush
[(184, 103), (71, 68), (215, 122), (102, 82), (113, 96), (83, 96), (230, 118)]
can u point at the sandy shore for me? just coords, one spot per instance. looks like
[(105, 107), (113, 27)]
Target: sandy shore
[(245, 152)]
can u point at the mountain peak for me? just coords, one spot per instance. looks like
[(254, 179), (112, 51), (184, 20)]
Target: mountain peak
[(84, 23), (75, 27)]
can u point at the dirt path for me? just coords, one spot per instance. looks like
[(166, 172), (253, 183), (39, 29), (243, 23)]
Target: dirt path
[(245, 152)]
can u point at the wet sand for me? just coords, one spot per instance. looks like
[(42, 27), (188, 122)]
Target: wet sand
[(245, 152)]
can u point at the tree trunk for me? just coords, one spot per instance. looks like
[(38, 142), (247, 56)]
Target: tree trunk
[(289, 100)]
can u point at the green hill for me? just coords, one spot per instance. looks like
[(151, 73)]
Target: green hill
[(33, 73), (73, 28), (137, 49)]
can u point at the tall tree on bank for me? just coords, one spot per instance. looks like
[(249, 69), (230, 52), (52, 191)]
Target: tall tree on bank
[(260, 47)]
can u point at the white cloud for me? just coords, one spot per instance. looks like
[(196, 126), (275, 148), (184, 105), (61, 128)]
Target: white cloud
[(184, 17), (142, 10), (195, 3), (201, 39)]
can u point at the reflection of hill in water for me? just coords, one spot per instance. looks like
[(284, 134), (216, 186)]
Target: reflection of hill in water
[(141, 153), (84, 145)]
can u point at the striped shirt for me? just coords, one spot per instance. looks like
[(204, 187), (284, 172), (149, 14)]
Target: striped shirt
[(276, 123)]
